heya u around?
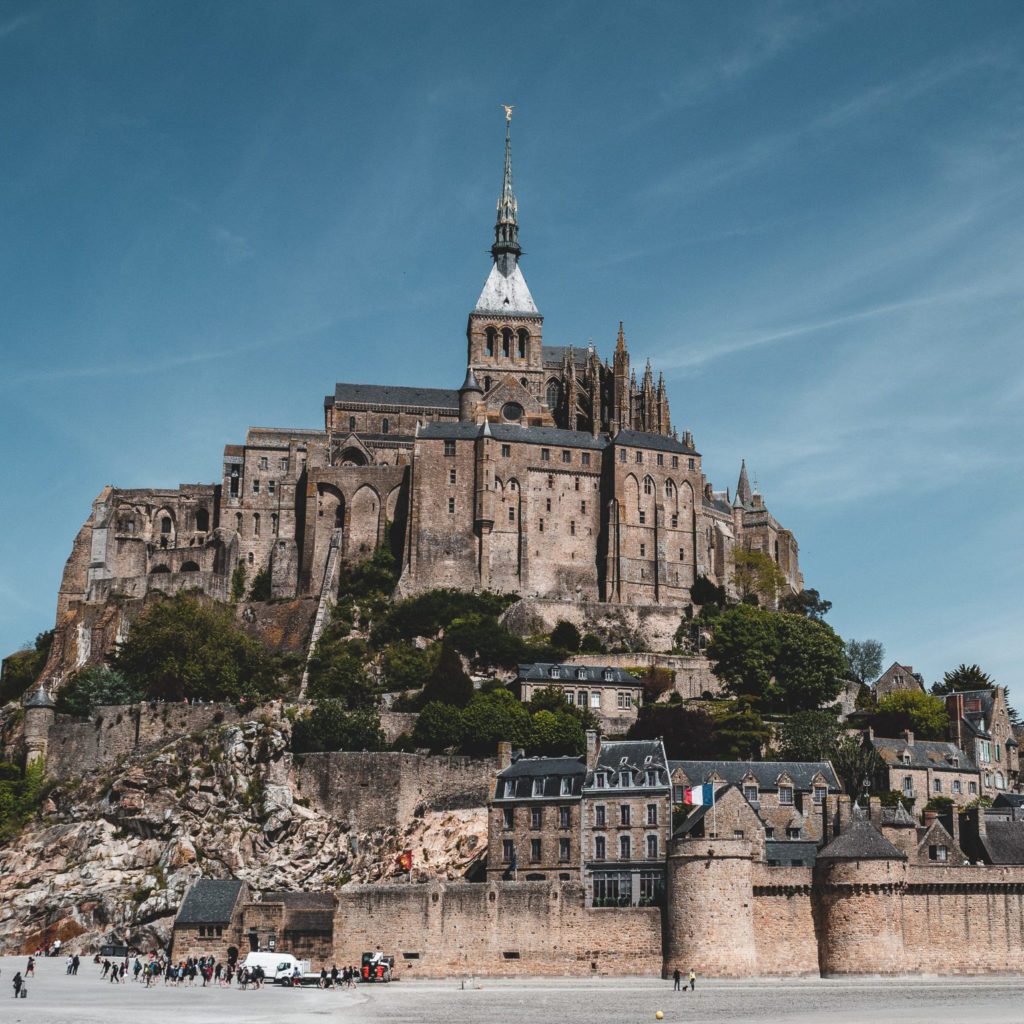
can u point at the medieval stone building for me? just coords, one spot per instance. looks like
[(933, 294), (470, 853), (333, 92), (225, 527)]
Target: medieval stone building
[(547, 473)]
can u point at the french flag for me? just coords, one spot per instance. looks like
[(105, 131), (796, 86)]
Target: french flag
[(699, 796)]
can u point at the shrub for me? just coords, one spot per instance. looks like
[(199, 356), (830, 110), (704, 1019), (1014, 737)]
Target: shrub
[(329, 725), (448, 683), (566, 636), (96, 686), (260, 590)]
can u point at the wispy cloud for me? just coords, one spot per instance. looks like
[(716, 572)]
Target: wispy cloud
[(10, 27)]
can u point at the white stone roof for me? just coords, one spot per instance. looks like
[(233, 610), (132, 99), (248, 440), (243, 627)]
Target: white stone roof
[(507, 295)]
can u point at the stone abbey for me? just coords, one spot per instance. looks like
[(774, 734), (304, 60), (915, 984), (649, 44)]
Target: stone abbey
[(548, 473)]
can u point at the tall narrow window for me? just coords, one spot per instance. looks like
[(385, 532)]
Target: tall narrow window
[(351, 423), (385, 427), (256, 524), (506, 342), (273, 523), (523, 336), (492, 336)]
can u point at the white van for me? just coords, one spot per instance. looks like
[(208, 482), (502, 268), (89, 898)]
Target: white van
[(275, 965)]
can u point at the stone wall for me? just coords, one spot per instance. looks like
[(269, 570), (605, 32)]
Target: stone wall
[(373, 789), (498, 928), (693, 675)]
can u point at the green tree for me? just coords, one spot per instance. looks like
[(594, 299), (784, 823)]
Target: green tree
[(854, 761), (785, 661), (703, 592), (238, 582), (554, 733), (439, 726), (185, 646), (864, 659), (686, 732), (20, 670), (963, 677), (449, 683), (260, 590), (591, 644), (491, 717), (96, 686), (756, 574), (566, 636), (406, 667), (330, 725), (809, 736), (740, 732), (921, 713), (337, 671), (808, 603)]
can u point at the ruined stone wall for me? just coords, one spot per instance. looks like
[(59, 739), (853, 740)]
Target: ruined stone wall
[(369, 790), (498, 928), (77, 745)]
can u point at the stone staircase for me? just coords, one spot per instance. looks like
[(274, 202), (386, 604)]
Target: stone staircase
[(323, 608)]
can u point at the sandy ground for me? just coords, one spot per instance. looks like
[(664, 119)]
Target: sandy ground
[(55, 998)]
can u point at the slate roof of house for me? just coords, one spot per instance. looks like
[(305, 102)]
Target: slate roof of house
[(541, 671), (636, 755), (1003, 841), (659, 442), (784, 852), (387, 394), (767, 773), (861, 841), (40, 699), (554, 354), (1009, 800), (923, 754), (516, 782), (550, 436), (980, 721), (209, 901)]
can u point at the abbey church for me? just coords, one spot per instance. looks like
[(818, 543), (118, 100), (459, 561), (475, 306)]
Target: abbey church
[(549, 473)]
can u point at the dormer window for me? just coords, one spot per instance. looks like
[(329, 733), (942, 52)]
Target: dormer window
[(955, 761), (786, 795), (624, 779), (651, 778), (906, 758), (581, 673), (538, 786), (750, 793), (600, 780), (607, 675), (510, 787), (555, 672), (566, 785)]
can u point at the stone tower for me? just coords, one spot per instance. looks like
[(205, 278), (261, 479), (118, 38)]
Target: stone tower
[(860, 877), (504, 330), (38, 721)]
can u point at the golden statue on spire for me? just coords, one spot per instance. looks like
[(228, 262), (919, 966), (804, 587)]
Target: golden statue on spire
[(508, 112)]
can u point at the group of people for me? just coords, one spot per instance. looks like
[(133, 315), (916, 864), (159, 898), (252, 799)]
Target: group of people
[(677, 978)]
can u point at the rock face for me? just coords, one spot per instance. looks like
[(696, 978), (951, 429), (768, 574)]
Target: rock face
[(111, 855)]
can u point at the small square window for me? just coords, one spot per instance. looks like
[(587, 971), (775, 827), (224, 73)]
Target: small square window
[(622, 455), (660, 460), (449, 447), (750, 794), (820, 793), (451, 476), (585, 458), (506, 451), (785, 795), (545, 455), (675, 461), (639, 456), (566, 455)]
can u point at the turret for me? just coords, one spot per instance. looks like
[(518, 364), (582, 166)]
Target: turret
[(38, 722), (469, 394)]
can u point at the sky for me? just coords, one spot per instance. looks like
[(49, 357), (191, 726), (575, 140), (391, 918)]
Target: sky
[(809, 215)]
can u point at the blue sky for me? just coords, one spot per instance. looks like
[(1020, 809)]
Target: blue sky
[(809, 215)]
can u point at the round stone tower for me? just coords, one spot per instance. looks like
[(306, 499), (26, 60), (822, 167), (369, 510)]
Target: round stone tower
[(469, 395), (709, 923), (38, 720), (859, 880)]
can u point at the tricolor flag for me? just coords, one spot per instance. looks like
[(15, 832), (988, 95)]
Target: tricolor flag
[(699, 796)]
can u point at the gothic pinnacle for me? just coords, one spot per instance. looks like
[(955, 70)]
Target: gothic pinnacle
[(506, 228)]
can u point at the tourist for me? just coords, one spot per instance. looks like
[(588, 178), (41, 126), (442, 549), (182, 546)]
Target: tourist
[(693, 978), (676, 978), (17, 985), (30, 970)]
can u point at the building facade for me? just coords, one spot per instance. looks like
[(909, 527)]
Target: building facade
[(548, 473)]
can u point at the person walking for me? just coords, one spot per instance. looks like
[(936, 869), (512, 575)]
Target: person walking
[(17, 985), (677, 977), (693, 978), (30, 970)]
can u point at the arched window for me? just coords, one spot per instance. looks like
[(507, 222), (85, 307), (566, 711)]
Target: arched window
[(190, 567), (202, 520), (384, 426), (251, 559), (273, 523), (669, 487), (339, 517), (524, 337), (487, 383), (256, 524), (234, 482), (165, 524), (506, 342), (157, 569), (492, 338), (554, 394), (351, 423), (238, 522), (648, 485)]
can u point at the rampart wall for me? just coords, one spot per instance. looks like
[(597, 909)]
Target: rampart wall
[(498, 928), (371, 789)]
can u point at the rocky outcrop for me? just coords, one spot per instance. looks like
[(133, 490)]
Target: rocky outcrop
[(111, 855)]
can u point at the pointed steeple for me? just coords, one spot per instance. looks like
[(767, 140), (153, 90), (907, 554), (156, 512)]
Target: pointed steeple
[(506, 229), (648, 376), (620, 345), (743, 492)]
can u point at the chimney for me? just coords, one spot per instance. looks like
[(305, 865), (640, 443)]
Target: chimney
[(909, 737), (955, 711), (929, 818), (875, 811), (504, 755), (593, 748)]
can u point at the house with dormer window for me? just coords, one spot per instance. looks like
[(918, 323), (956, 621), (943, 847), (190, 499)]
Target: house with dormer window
[(922, 769), (979, 724), (611, 694)]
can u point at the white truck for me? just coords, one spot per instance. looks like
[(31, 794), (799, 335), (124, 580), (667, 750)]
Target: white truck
[(278, 967)]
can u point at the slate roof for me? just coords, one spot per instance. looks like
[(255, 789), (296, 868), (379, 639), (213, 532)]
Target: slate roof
[(520, 776), (923, 754), (40, 699), (554, 354), (209, 901), (861, 841), (980, 722), (1009, 800), (659, 442), (786, 852), (386, 394), (541, 672), (1003, 842), (766, 772), (547, 436), (634, 756)]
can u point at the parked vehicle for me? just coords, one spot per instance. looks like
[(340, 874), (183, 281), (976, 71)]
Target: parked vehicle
[(377, 967), (278, 967)]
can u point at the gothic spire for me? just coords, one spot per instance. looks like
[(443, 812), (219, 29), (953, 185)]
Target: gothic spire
[(743, 492), (506, 229), (620, 345)]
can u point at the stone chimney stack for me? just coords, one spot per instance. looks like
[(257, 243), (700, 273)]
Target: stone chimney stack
[(504, 755), (909, 737), (955, 711), (593, 748)]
